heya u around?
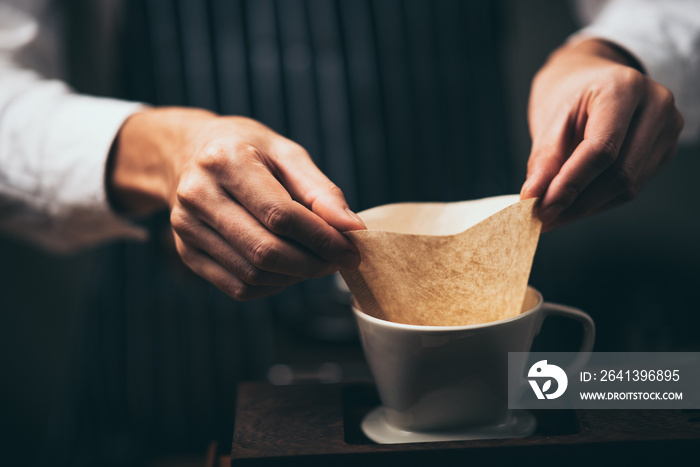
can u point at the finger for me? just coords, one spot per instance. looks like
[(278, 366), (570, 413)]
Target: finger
[(252, 184), (661, 124), (645, 151), (206, 267), (202, 237), (573, 213), (604, 135), (548, 153), (313, 189), (259, 246), (625, 197)]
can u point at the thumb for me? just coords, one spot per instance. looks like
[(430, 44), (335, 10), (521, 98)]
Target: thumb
[(308, 185), (329, 203)]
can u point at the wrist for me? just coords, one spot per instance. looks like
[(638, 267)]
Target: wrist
[(147, 157), (601, 48)]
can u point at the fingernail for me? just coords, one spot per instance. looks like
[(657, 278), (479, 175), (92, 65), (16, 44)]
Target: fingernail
[(349, 260), (525, 187), (355, 217), (550, 213), (531, 188)]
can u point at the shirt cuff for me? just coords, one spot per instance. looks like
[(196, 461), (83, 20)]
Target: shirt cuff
[(55, 195)]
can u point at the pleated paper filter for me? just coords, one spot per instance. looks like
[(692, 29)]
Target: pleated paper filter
[(445, 264)]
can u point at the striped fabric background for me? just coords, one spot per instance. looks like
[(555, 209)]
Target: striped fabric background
[(395, 100)]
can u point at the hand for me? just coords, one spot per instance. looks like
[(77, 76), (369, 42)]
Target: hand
[(600, 131), (250, 211)]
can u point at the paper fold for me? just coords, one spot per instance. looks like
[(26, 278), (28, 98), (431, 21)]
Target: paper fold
[(445, 264)]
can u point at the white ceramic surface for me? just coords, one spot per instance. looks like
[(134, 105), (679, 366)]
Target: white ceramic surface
[(451, 380)]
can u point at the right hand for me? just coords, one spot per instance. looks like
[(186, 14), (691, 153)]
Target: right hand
[(600, 131), (250, 211)]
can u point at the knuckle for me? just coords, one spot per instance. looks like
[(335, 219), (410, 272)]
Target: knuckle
[(335, 190), (278, 218), (569, 192), (297, 149), (630, 79), (253, 276), (665, 98), (605, 151), (324, 190), (265, 255), (242, 292), (605, 155), (188, 190), (289, 148), (213, 156), (245, 151)]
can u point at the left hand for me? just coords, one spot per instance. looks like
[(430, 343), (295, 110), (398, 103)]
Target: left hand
[(250, 211), (600, 131)]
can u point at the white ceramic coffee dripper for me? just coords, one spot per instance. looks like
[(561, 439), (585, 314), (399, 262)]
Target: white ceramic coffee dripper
[(441, 383)]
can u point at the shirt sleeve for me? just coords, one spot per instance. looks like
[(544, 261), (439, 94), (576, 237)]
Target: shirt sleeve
[(54, 146), (665, 37)]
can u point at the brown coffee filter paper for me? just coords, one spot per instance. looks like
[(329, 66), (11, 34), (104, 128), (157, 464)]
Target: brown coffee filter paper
[(445, 264)]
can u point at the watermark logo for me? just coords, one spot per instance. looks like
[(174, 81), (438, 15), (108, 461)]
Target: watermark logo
[(603, 380), (544, 370)]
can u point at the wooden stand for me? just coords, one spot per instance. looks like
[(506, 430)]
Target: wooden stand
[(319, 425)]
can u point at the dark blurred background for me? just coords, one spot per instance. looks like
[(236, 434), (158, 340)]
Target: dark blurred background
[(119, 353)]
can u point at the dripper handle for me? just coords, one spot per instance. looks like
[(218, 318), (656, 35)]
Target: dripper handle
[(555, 309)]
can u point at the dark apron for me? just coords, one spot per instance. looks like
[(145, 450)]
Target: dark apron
[(394, 100)]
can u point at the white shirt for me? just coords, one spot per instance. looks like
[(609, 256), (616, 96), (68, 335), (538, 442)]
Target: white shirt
[(664, 35), (54, 143)]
